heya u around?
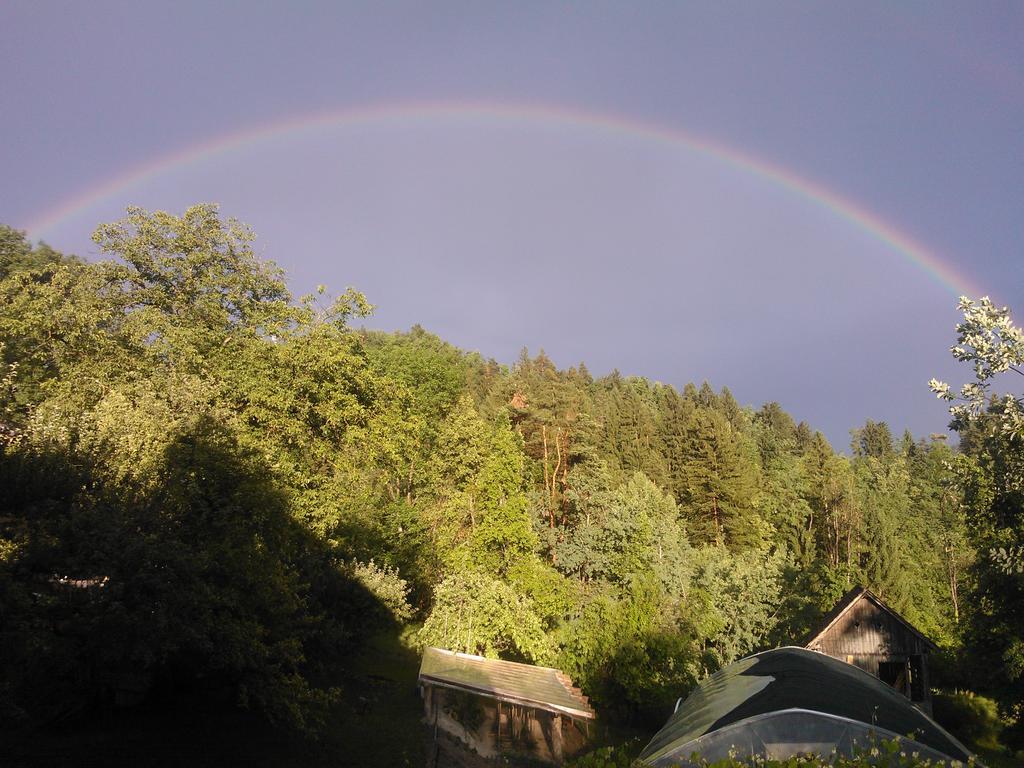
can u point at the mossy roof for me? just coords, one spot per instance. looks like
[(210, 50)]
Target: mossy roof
[(523, 684)]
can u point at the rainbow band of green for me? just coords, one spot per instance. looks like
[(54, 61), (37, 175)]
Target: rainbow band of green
[(899, 242)]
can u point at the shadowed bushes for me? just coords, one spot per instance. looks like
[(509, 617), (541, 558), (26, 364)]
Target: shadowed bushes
[(972, 718), (197, 583)]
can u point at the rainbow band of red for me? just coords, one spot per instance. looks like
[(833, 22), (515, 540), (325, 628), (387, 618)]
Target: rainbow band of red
[(811, 191)]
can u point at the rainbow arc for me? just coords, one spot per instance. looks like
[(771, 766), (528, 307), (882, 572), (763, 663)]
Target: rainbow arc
[(817, 194)]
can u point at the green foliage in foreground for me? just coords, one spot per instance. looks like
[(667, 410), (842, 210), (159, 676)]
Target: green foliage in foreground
[(989, 477), (886, 754)]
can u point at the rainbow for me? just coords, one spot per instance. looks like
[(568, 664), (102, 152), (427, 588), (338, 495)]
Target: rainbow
[(813, 192)]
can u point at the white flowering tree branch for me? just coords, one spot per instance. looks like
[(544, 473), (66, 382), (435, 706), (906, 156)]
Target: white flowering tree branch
[(988, 339), (993, 345)]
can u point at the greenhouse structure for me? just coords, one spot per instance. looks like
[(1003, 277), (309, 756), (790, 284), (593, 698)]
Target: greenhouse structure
[(792, 701)]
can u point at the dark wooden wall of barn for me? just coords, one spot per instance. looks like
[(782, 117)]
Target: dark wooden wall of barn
[(867, 630)]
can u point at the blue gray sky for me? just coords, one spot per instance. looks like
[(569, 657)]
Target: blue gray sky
[(506, 227)]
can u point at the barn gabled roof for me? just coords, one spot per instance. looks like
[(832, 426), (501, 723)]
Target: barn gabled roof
[(524, 684), (846, 602)]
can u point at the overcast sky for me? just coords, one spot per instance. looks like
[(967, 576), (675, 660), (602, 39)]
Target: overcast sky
[(526, 223)]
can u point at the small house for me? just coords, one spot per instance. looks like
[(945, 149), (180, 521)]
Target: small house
[(497, 708), (863, 631)]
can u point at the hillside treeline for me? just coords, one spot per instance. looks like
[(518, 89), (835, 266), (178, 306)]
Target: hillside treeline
[(209, 487)]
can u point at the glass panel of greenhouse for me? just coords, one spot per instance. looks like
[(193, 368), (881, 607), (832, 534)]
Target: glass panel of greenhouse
[(792, 701)]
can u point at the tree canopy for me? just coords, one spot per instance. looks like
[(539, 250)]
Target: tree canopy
[(209, 484)]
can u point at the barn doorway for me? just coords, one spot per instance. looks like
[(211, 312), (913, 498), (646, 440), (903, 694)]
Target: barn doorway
[(917, 689), (896, 674)]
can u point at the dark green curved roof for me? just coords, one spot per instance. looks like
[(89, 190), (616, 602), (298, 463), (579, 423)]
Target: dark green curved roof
[(795, 678)]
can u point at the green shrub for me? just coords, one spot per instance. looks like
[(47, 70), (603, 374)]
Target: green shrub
[(386, 585), (884, 754), (604, 757), (969, 717)]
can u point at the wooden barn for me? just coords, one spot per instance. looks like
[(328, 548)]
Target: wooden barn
[(863, 631), (489, 709)]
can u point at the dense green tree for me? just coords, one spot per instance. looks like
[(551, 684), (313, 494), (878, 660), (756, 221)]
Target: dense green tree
[(783, 501), (426, 377), (991, 476), (51, 329), (630, 439), (504, 535), (480, 516), (627, 649), (778, 423), (873, 440), (943, 552), (634, 533), (577, 549), (736, 596), (883, 493), (835, 512), (804, 436), (17, 254), (706, 397), (434, 371), (675, 417), (731, 409), (720, 491), (474, 613)]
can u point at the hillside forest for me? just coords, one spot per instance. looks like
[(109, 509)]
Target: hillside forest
[(212, 489)]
